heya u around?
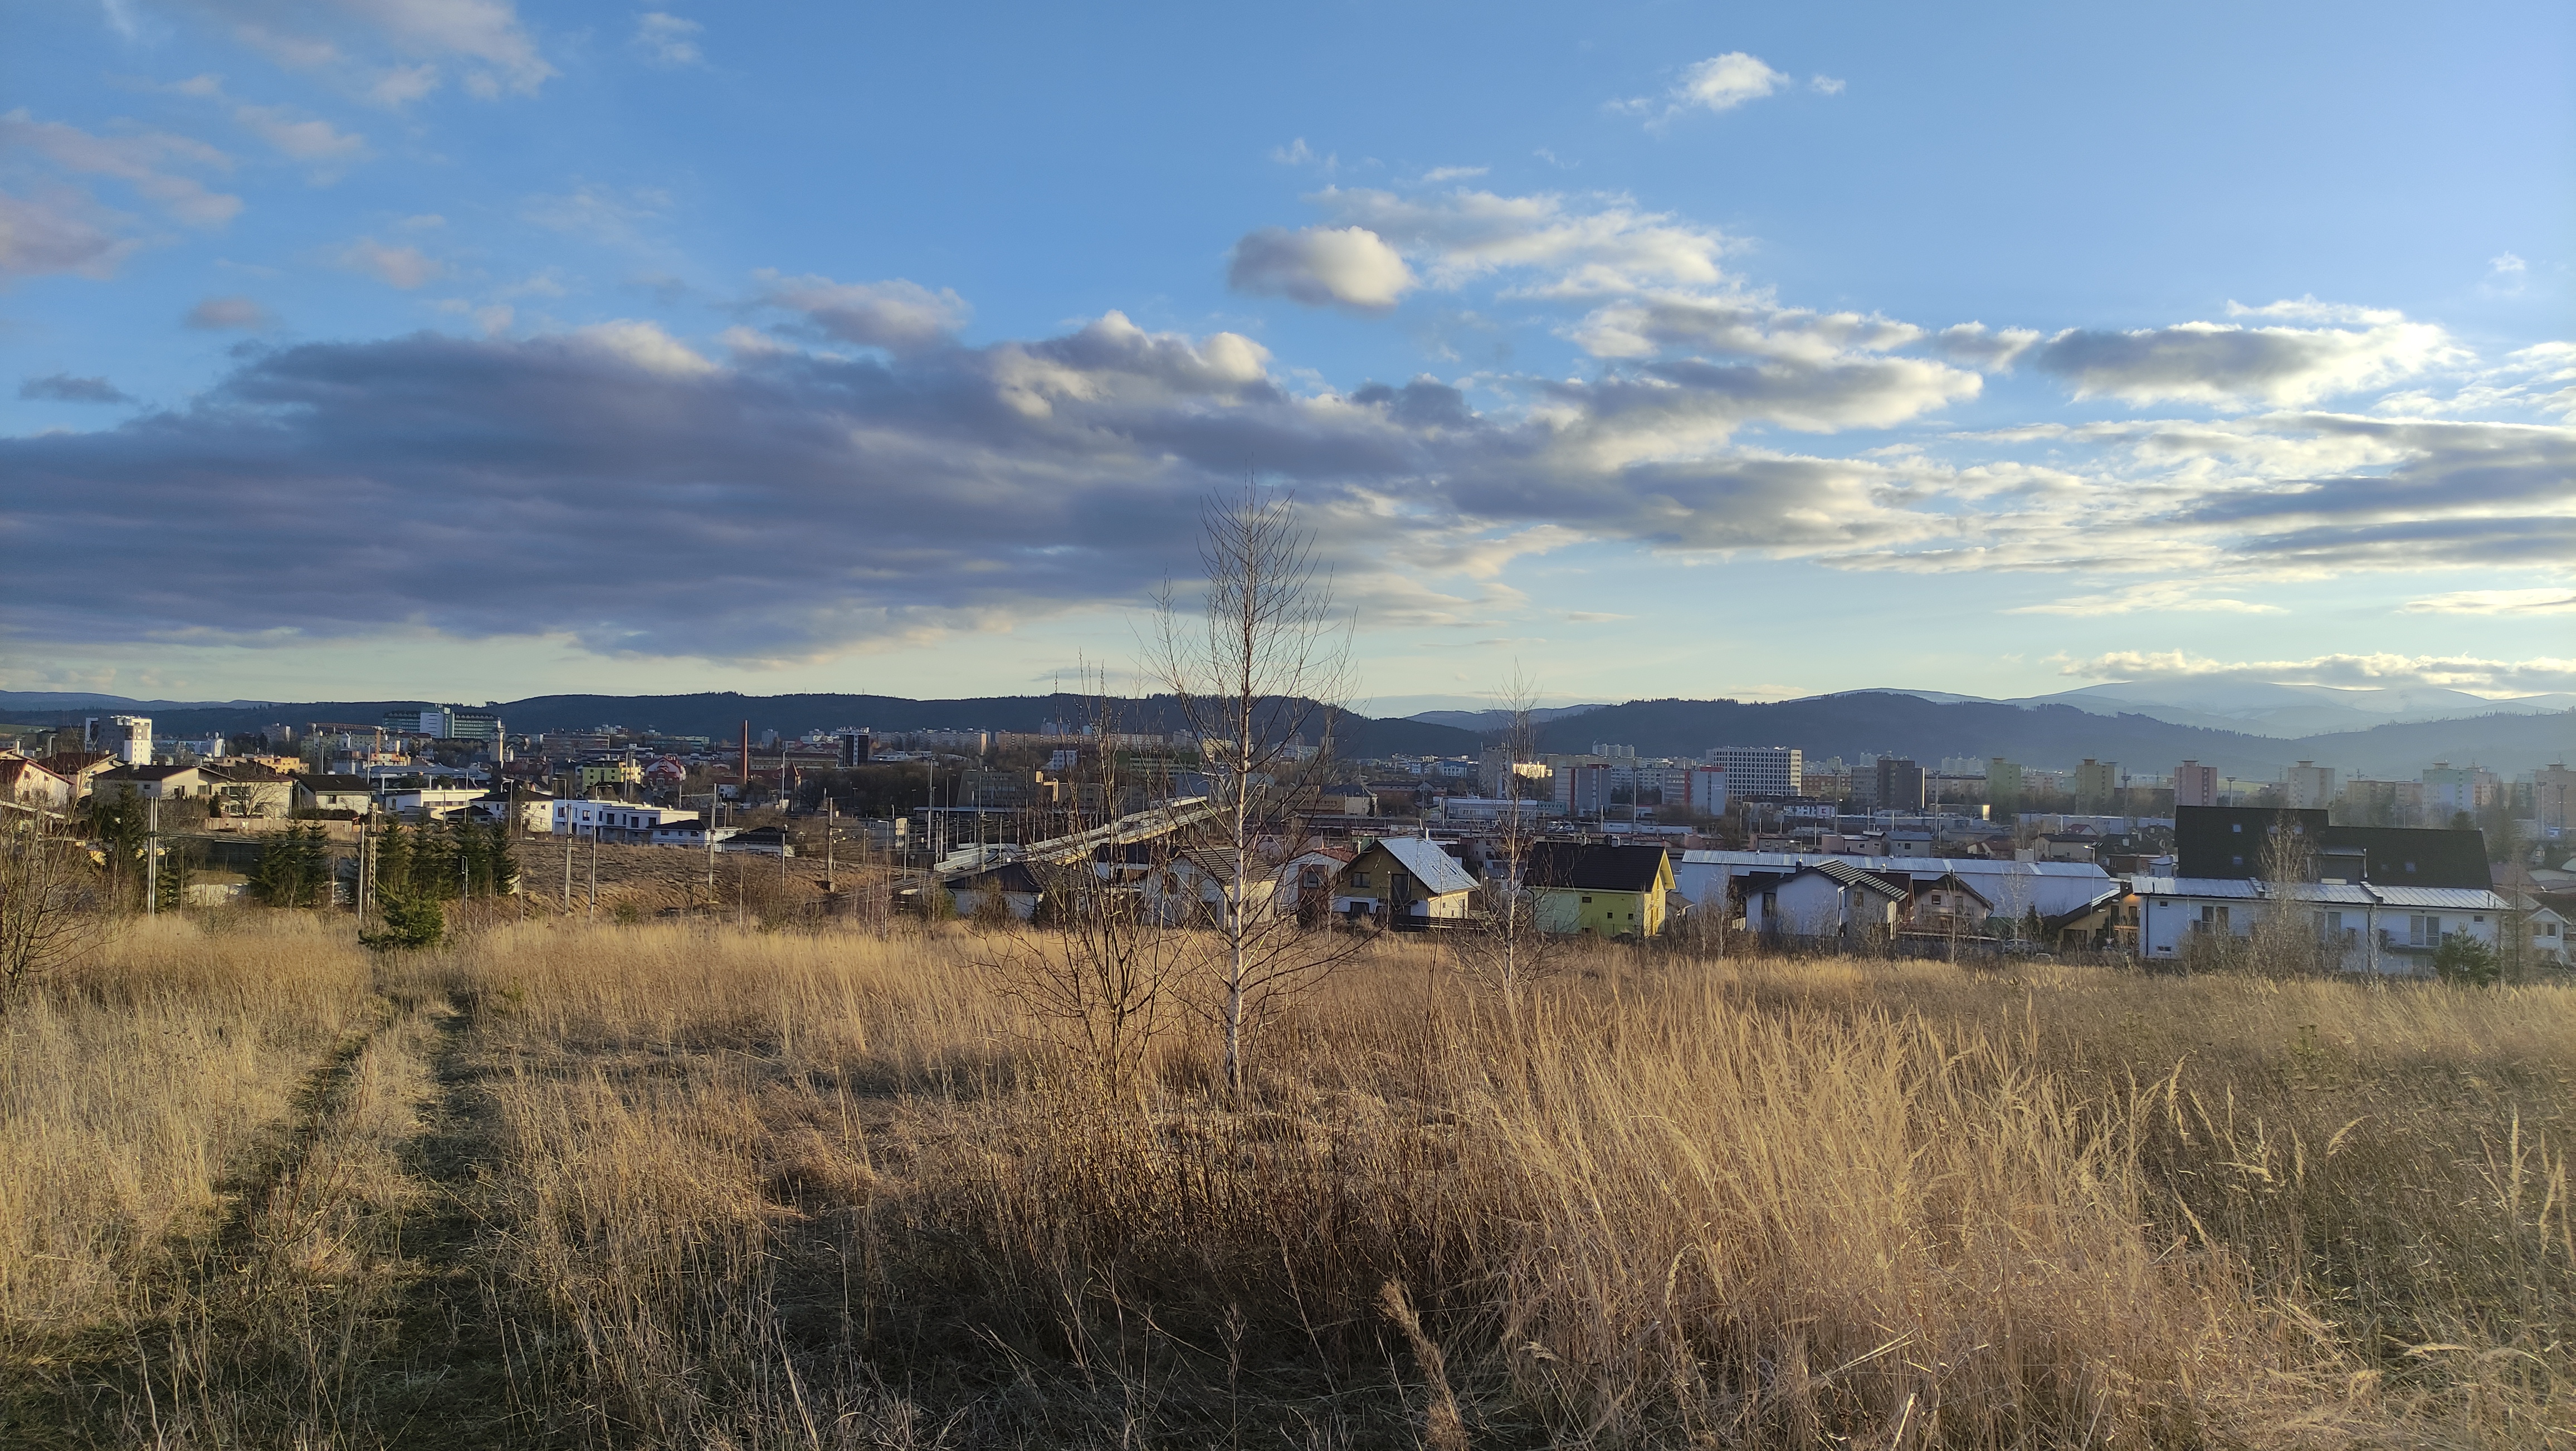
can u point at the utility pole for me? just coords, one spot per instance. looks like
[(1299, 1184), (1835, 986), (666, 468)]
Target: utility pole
[(594, 870), (568, 863), (152, 858), (831, 822)]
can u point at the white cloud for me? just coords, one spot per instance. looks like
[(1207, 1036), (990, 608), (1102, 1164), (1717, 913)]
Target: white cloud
[(1646, 325), (896, 315), (57, 230), (668, 39), (1993, 352), (142, 160), (302, 140), (2549, 600), (351, 38), (1825, 85), (1350, 267), (2162, 596), (403, 267), (2232, 366), (1592, 246), (642, 345), (2470, 673), (1719, 83)]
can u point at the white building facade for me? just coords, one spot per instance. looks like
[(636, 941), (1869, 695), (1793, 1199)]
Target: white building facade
[(2385, 930)]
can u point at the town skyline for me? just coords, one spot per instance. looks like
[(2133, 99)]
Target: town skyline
[(481, 350)]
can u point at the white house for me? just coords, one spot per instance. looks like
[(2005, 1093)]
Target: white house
[(2393, 930), (1193, 886), (2011, 888), (431, 803), (1828, 899), (2548, 928), (613, 820)]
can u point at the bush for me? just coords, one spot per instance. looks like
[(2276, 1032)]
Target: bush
[(2466, 961), (411, 920)]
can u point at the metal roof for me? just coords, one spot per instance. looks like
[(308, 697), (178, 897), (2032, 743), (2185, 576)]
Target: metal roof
[(1437, 870), (2355, 894), (1925, 865)]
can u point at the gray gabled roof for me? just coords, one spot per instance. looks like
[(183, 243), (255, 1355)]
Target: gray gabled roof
[(1850, 876), (1437, 870)]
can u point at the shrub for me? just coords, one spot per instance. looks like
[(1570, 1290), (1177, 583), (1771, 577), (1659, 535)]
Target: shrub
[(2466, 961)]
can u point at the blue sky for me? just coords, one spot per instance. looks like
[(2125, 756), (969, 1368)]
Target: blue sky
[(457, 348)]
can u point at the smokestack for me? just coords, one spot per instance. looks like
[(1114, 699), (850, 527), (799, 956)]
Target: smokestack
[(745, 777)]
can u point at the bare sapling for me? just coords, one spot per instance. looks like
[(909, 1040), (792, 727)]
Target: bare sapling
[(2284, 940), (45, 919), (1267, 662), (1093, 969)]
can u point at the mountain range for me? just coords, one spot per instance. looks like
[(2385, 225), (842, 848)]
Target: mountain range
[(2390, 734)]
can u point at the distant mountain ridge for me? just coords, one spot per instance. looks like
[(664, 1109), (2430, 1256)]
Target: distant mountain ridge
[(1849, 724)]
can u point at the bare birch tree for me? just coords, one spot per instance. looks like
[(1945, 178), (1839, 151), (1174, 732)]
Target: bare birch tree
[(44, 920), (1267, 661)]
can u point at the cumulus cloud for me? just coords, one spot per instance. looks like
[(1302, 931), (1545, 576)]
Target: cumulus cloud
[(667, 39), (216, 314), (64, 388), (403, 267), (1646, 325), (1994, 352), (1577, 246), (1719, 83), (1350, 267), (2230, 365), (896, 315), (2461, 672)]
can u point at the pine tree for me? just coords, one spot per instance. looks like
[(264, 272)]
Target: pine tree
[(392, 872)]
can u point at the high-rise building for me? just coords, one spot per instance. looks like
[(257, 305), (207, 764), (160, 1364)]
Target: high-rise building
[(2197, 785), (2449, 789), (1760, 770), (472, 725), (423, 720), (2097, 783), (2003, 782), (2307, 787), (1899, 784), (1705, 790), (126, 737), (2553, 797), (856, 744), (1584, 790)]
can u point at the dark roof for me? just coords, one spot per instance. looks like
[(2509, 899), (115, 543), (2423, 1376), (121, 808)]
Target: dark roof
[(244, 774), (1008, 877), (143, 773), (1585, 867), (2228, 841), (326, 785)]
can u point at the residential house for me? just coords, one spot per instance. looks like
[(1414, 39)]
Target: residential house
[(2065, 846), (1402, 881), (431, 803), (246, 789), (1013, 885), (145, 783), (1193, 886), (2548, 929), (533, 814), (28, 783), (758, 841), (81, 768), (1599, 891), (1828, 899), (1307, 878), (353, 794), (1947, 903), (2238, 842), (2390, 930), (623, 821), (687, 831)]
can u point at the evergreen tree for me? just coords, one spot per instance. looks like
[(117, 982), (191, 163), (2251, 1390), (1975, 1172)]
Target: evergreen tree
[(293, 870), (411, 920), (392, 872), (178, 869)]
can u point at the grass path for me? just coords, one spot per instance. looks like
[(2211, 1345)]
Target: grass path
[(338, 1300)]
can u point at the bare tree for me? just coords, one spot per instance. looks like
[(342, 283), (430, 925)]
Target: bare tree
[(1268, 662), (2285, 939), (44, 921)]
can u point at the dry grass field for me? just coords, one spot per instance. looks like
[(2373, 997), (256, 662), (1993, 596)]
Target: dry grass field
[(680, 1184)]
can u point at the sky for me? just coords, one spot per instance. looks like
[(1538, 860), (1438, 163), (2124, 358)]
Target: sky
[(463, 349)]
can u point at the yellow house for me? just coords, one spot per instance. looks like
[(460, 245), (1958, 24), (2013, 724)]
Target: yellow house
[(1599, 891)]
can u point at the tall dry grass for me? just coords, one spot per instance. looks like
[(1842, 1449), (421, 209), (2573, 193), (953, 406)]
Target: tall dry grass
[(131, 1091), (692, 1185)]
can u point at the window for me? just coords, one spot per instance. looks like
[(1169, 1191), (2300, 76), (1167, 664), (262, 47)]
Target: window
[(1587, 901), (1359, 879), (2424, 931), (2236, 826), (2236, 861)]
